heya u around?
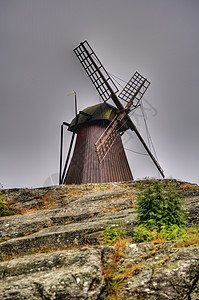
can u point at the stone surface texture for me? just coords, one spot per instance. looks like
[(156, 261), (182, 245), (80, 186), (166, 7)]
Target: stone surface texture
[(52, 249)]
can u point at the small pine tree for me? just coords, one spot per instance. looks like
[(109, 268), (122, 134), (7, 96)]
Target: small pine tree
[(159, 211), (158, 208)]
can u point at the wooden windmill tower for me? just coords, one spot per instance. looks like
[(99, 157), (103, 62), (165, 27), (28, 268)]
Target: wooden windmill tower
[(99, 154)]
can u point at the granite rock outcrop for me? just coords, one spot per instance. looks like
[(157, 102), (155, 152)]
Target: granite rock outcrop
[(52, 248)]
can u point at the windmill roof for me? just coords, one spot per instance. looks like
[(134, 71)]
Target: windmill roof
[(103, 111)]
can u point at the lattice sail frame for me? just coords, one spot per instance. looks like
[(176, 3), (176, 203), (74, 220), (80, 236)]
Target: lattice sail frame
[(136, 83), (106, 140), (137, 86), (95, 70)]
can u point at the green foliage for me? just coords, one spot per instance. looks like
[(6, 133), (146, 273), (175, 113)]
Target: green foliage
[(160, 213), (173, 232), (4, 209), (191, 237), (143, 233), (112, 233), (157, 208)]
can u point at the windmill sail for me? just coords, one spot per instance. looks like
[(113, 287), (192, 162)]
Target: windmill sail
[(106, 140), (136, 87), (95, 70)]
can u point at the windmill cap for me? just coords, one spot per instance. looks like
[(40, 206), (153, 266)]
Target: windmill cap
[(99, 112)]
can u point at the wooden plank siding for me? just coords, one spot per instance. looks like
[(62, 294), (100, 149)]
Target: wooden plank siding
[(85, 167)]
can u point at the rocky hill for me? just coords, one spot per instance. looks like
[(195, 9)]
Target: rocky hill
[(52, 249)]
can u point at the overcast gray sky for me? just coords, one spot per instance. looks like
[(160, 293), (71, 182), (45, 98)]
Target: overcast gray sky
[(158, 38)]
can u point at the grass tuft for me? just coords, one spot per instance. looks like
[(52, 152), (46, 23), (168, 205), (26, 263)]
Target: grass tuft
[(115, 271)]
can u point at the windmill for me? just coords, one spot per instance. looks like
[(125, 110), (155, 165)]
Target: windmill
[(99, 154)]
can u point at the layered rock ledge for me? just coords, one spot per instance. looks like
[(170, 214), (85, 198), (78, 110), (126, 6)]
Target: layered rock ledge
[(52, 249)]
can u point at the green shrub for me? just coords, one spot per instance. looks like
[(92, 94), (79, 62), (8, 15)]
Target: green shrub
[(160, 213), (173, 232), (157, 208), (112, 233), (4, 209), (142, 233)]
